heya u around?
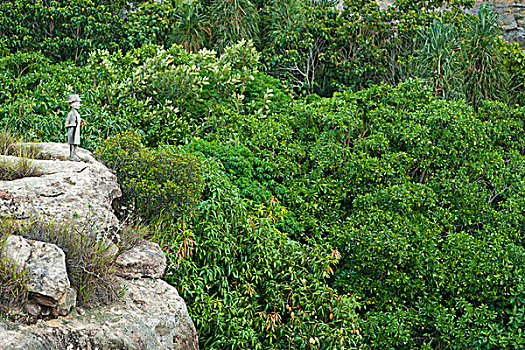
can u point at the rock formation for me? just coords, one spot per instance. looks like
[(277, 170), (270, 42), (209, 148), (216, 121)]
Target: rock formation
[(150, 315), (66, 190), (46, 268)]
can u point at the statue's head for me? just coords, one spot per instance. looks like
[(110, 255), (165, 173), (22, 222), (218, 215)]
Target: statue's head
[(74, 101)]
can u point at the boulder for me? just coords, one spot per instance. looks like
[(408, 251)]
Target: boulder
[(66, 303), (67, 191), (46, 270), (144, 260), (151, 316)]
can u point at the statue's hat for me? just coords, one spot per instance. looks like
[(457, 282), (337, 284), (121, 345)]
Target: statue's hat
[(73, 98)]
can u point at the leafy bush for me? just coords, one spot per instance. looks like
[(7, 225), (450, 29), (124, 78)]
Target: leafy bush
[(426, 213), (65, 31), (321, 49), (171, 93), (420, 196), (168, 94), (247, 284), (153, 182), (233, 21)]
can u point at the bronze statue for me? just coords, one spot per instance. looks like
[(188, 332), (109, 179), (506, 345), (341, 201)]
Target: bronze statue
[(73, 127)]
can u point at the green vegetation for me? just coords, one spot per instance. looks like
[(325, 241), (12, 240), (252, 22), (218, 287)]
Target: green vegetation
[(90, 265), (12, 169), (153, 182), (318, 178)]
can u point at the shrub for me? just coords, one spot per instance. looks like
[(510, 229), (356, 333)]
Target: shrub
[(65, 31), (468, 60), (321, 49), (233, 21), (421, 196), (191, 27), (514, 62), (424, 204), (247, 284), (153, 181), (485, 77)]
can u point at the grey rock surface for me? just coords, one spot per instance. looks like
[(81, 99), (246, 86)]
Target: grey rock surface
[(66, 303), (80, 191), (151, 316), (46, 269), (144, 260)]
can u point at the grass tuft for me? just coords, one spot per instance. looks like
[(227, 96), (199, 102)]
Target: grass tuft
[(13, 278), (90, 264), (23, 166), (13, 170), (7, 141)]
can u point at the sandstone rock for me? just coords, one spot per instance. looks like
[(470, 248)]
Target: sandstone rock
[(80, 191), (46, 268), (152, 316), (143, 260), (66, 303), (32, 308), (60, 151)]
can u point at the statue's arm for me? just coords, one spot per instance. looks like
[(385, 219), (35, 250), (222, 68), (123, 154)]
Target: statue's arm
[(71, 120)]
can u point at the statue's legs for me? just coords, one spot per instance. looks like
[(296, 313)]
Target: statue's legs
[(73, 153)]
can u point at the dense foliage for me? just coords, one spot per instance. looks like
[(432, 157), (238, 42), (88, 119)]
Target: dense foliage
[(386, 214), (250, 283), (153, 182), (311, 44)]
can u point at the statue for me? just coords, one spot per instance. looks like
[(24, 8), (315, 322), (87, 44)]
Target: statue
[(73, 127)]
